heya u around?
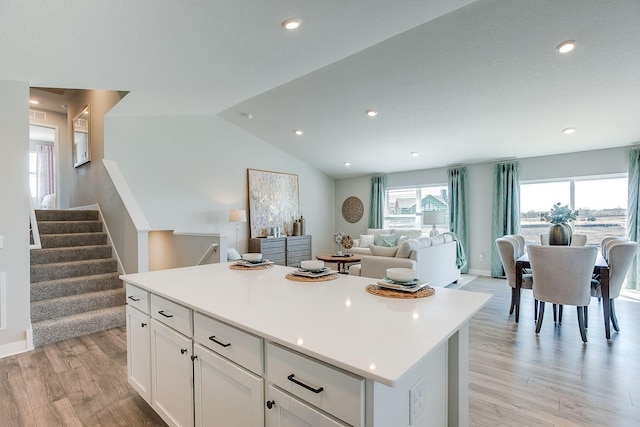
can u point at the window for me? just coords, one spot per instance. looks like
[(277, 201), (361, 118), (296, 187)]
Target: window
[(602, 203), (404, 207)]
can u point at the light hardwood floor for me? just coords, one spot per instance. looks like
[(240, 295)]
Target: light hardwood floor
[(516, 377)]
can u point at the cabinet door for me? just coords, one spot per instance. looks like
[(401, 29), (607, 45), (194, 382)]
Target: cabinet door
[(172, 375), (287, 411), (226, 394), (139, 352)]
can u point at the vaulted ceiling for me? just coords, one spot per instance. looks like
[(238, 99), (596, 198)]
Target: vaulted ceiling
[(456, 81)]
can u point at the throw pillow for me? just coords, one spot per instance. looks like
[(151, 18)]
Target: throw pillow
[(366, 240), (232, 254), (383, 250), (405, 249), (387, 240)]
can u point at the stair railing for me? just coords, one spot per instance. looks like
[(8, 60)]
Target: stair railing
[(33, 228)]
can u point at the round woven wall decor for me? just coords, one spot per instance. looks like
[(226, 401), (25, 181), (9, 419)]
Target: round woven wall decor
[(352, 209)]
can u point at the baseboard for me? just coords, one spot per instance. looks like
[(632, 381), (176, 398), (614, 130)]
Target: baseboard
[(18, 346)]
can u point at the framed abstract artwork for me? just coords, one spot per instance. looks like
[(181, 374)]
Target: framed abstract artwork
[(273, 201)]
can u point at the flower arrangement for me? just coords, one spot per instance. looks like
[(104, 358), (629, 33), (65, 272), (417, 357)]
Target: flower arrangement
[(559, 214), (346, 242), (337, 237)]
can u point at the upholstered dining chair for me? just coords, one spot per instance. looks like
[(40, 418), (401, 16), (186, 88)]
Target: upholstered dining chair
[(562, 275), (544, 239), (510, 249), (578, 240), (619, 254)]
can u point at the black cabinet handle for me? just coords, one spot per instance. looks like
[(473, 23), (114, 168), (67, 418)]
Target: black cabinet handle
[(164, 314), (183, 350), (301, 384), (213, 338), (194, 357), (132, 298), (271, 403), (143, 324)]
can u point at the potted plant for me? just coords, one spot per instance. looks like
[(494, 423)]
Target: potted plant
[(559, 217)]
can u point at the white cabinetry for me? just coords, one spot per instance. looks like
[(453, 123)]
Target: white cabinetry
[(171, 365), (226, 394), (138, 341), (287, 411)]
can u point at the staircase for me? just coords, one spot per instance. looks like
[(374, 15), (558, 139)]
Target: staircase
[(75, 289)]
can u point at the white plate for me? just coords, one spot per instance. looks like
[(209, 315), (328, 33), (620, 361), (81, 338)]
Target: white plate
[(253, 264), (393, 282), (399, 287), (306, 273)]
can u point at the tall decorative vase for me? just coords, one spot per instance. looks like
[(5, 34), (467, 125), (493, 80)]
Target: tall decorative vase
[(560, 234)]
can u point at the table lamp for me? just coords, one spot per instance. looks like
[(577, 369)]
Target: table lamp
[(237, 216), (433, 218)]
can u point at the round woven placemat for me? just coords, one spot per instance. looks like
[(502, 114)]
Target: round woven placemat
[(242, 267), (297, 278), (427, 291)]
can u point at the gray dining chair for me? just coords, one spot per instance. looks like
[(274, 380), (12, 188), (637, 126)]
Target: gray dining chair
[(619, 254), (510, 248), (578, 240), (562, 275), (544, 239)]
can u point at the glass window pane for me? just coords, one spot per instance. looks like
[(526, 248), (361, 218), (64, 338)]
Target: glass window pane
[(535, 199), (603, 208)]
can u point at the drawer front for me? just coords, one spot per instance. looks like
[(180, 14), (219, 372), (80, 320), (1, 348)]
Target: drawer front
[(336, 392), (138, 298), (236, 345), (172, 314), (273, 244), (302, 241)]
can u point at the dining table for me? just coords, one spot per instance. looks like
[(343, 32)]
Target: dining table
[(600, 267)]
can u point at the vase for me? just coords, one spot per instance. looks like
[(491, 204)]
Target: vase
[(339, 252), (560, 234)]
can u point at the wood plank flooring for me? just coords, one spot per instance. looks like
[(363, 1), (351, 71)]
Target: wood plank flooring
[(516, 377)]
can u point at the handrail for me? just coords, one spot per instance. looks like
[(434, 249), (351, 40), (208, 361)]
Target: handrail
[(35, 232)]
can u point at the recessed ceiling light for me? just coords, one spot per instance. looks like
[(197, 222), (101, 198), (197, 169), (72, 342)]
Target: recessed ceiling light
[(372, 113), (566, 47), (347, 164), (298, 132), (33, 101), (291, 24), (569, 131), (414, 154)]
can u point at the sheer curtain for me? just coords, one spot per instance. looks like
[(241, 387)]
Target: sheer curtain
[(458, 220), (506, 208), (45, 183), (633, 218), (376, 201)]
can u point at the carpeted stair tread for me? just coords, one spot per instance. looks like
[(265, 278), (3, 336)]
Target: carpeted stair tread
[(60, 270), (75, 253), (64, 227), (75, 304), (66, 215), (74, 286), (73, 239), (63, 328)]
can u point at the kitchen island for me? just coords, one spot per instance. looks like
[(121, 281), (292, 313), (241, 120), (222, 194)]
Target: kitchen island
[(322, 353)]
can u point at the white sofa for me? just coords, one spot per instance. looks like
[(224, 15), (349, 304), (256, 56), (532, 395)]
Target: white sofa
[(361, 244), (433, 259)]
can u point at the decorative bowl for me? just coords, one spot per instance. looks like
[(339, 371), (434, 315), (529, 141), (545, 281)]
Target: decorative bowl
[(401, 274), (252, 257), (312, 265)]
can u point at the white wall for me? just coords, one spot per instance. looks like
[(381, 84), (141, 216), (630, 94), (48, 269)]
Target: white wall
[(14, 213), (188, 172), (480, 182)]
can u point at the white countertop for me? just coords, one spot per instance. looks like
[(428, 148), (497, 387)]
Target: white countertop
[(335, 321)]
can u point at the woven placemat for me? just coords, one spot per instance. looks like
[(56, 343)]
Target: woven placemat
[(243, 267), (297, 278), (427, 291)]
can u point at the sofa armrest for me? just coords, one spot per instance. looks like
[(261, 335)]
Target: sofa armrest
[(376, 266)]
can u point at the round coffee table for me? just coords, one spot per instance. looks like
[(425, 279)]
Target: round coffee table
[(340, 260)]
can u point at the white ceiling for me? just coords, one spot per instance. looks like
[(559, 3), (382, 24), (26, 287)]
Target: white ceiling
[(456, 80)]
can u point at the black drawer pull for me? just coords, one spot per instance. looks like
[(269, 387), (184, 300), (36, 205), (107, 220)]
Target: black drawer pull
[(271, 403), (183, 350), (164, 314), (295, 381), (132, 298), (213, 338), (143, 324), (194, 357)]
